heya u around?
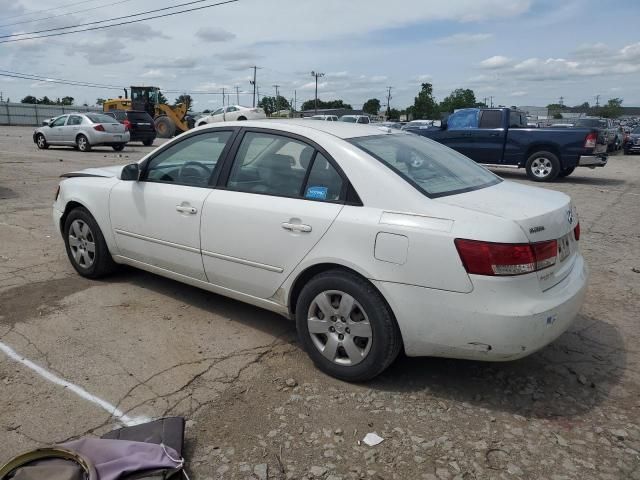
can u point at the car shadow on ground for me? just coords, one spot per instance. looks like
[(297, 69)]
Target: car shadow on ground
[(567, 378), (573, 179)]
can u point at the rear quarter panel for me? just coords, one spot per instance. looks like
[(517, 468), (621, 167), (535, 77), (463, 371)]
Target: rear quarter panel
[(566, 143)]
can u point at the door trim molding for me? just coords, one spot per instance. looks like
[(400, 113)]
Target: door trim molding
[(242, 261), (156, 240)]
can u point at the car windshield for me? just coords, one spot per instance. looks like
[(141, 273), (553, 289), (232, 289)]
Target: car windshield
[(348, 119), (99, 118), (432, 168)]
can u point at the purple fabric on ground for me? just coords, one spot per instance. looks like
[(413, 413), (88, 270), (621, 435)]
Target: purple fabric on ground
[(115, 458)]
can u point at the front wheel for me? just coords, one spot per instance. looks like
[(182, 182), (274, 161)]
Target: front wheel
[(41, 142), (119, 147), (543, 167), (83, 144), (165, 127), (346, 327), (85, 244)]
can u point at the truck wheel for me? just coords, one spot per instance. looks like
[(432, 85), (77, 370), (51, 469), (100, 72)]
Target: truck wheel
[(543, 166), (566, 172), (165, 127), (148, 143)]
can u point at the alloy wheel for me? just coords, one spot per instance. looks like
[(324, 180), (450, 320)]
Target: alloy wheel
[(339, 328), (41, 141), (82, 243), (541, 167)]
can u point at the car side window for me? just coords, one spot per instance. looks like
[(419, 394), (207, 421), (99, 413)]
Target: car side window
[(189, 162), (74, 120), (324, 182), (232, 109), (270, 164), (491, 119), (464, 119), (59, 122)]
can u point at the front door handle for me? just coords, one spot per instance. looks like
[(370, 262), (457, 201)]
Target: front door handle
[(296, 227), (184, 209)]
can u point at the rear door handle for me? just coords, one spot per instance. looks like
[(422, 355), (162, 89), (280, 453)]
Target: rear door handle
[(296, 227), (183, 209)]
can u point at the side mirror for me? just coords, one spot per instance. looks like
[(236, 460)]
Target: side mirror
[(444, 121), (130, 172)]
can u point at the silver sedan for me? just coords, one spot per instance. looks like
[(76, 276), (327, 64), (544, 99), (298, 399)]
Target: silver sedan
[(82, 131)]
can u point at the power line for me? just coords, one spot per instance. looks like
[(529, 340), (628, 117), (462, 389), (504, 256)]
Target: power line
[(49, 9), (38, 78), (101, 27), (62, 14)]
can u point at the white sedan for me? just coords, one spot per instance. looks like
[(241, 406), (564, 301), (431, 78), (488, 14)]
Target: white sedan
[(372, 241), (232, 113)]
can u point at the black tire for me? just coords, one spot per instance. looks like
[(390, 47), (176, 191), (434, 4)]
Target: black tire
[(386, 340), (41, 142), (148, 143), (102, 263), (165, 127), (82, 143), (119, 147), (566, 172), (240, 119), (542, 166)]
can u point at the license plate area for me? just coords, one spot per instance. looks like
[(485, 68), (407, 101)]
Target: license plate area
[(564, 247)]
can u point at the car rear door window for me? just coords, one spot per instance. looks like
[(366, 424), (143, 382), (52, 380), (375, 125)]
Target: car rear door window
[(74, 120), (270, 164), (189, 162), (324, 182), (491, 119)]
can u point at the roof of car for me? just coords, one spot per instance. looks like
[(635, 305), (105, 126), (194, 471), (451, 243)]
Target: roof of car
[(338, 129)]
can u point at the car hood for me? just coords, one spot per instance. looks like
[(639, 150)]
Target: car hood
[(108, 172)]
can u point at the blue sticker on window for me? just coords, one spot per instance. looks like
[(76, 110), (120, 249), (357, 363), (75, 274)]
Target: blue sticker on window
[(317, 193)]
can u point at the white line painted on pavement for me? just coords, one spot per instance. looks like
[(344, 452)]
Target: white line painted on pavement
[(81, 392)]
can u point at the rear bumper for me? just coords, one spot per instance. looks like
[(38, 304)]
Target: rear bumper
[(109, 139), (142, 136), (501, 319), (592, 161), (631, 147)]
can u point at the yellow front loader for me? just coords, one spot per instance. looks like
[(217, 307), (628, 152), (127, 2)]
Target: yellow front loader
[(169, 120)]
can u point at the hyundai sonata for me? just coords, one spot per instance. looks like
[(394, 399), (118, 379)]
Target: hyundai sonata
[(372, 240)]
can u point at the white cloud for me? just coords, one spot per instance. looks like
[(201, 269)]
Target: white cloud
[(497, 61), (464, 39), (519, 93), (209, 34)]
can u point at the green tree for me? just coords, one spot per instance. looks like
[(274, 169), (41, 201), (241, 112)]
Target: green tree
[(583, 106), (394, 114), (100, 101), (613, 108), (459, 98), (67, 101), (424, 105), (46, 101), (162, 99), (310, 104), (281, 103), (29, 99), (186, 99), (371, 106), (557, 115), (268, 104)]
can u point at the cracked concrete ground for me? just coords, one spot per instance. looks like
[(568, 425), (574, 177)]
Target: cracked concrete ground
[(256, 406)]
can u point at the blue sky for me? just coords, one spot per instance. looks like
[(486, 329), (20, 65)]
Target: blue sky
[(521, 52)]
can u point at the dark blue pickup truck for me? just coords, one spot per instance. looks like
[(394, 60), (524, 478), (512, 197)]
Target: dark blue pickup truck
[(500, 137)]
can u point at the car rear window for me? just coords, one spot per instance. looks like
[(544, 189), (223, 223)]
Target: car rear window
[(433, 169), (99, 118), (137, 117)]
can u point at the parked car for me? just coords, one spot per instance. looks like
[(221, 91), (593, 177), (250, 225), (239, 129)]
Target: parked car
[(230, 113), (396, 125), (326, 118), (420, 124), (355, 119), (606, 127), (82, 131), (500, 137), (139, 124), (373, 241), (632, 145)]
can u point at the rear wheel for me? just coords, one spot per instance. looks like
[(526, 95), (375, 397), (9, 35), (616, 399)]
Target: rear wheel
[(85, 244), (147, 143), (83, 144), (241, 118), (543, 166), (41, 142), (119, 147), (165, 127), (566, 172), (346, 327)]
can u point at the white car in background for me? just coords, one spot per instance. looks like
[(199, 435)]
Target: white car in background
[(232, 113), (326, 118), (373, 241)]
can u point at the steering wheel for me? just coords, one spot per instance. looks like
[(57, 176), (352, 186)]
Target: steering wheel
[(194, 176)]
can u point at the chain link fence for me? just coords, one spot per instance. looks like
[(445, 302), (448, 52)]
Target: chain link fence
[(28, 114)]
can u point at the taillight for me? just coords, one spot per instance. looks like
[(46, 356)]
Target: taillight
[(591, 140), (127, 124), (99, 128), (576, 232), (497, 259)]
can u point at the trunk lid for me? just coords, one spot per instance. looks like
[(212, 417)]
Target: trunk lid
[(541, 214), (114, 127)]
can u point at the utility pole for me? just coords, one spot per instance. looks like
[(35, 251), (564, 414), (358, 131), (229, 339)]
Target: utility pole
[(237, 94), (275, 103), (317, 75), (1, 99), (258, 90), (255, 85), (491, 99), (597, 101), (223, 96), (277, 93), (561, 101), (295, 100), (388, 101)]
